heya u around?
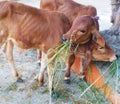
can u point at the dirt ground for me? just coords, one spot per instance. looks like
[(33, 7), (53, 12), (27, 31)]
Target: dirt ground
[(29, 92)]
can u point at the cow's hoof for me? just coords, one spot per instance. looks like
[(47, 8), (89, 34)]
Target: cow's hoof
[(54, 95), (39, 63), (67, 80), (84, 79), (20, 80), (41, 84)]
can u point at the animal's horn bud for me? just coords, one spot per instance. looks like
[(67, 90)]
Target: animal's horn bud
[(96, 17)]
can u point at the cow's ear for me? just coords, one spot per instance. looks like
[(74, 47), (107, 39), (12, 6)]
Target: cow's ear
[(98, 38)]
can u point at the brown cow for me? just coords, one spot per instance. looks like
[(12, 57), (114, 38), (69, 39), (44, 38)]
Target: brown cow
[(87, 52), (29, 27)]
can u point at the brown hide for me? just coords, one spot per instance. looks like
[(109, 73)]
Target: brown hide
[(29, 27), (48, 4), (70, 8)]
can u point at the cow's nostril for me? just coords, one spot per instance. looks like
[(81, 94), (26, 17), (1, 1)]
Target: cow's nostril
[(64, 39)]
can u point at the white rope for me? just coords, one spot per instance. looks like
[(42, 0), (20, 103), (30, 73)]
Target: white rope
[(95, 81)]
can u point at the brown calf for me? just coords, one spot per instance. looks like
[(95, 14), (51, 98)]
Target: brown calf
[(28, 27), (87, 52)]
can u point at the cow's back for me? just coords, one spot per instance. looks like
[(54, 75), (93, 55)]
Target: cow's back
[(70, 8)]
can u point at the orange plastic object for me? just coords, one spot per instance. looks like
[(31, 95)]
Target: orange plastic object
[(92, 76)]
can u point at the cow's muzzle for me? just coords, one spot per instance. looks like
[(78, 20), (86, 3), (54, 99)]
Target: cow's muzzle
[(113, 58), (64, 39)]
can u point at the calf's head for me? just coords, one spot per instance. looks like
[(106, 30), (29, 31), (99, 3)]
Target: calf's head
[(103, 53), (83, 28), (91, 51)]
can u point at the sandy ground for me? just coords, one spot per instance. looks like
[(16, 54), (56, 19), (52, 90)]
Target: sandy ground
[(29, 92)]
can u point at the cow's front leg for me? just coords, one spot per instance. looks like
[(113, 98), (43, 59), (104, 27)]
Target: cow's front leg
[(44, 60), (51, 73), (9, 56), (85, 63), (70, 62)]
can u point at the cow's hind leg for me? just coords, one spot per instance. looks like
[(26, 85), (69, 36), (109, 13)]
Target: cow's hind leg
[(9, 56), (71, 60), (44, 60), (39, 56)]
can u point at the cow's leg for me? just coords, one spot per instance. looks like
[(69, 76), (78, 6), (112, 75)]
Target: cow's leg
[(51, 73), (9, 56), (85, 63), (82, 69), (39, 56), (4, 47), (71, 60), (44, 60), (80, 65)]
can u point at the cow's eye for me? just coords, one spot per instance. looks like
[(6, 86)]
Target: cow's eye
[(101, 48), (83, 31)]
